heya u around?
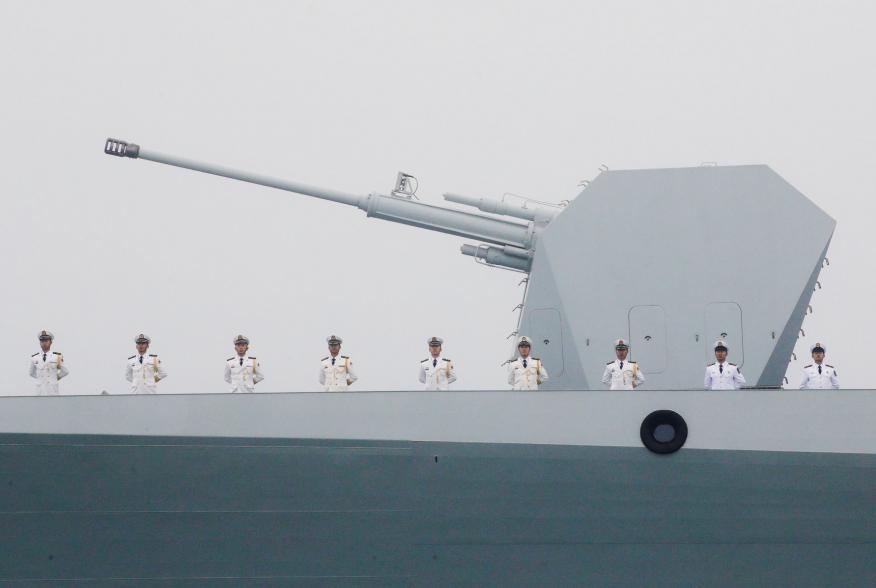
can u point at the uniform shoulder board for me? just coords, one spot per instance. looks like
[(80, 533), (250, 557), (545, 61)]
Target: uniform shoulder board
[(733, 364), (56, 352), (711, 364), (830, 366), (346, 356), (152, 355), (631, 362), (132, 357), (35, 354), (609, 363), (251, 357), (229, 359), (324, 358), (535, 359), (444, 359), (807, 366), (424, 360)]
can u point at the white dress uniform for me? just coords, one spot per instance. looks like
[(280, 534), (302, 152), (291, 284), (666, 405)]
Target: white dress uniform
[(47, 367), (819, 376), (622, 375), (144, 372), (243, 373), (437, 373), (526, 374), (336, 373), (723, 376)]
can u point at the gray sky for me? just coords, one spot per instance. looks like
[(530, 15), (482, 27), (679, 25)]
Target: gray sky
[(478, 98)]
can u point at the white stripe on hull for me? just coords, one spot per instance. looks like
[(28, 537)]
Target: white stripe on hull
[(761, 420)]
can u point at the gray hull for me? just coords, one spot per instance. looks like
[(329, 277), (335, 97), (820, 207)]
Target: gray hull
[(112, 510)]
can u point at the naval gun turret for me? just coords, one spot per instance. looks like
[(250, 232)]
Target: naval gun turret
[(669, 259)]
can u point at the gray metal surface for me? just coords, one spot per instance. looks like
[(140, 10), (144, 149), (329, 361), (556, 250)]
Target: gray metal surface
[(182, 511)]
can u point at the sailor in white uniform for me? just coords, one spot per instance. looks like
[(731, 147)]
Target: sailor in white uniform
[(335, 370), (144, 371), (47, 366), (723, 375), (242, 371), (436, 372), (525, 372), (819, 375), (622, 374)]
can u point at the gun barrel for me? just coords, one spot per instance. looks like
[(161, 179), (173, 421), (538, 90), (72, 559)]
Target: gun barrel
[(446, 220), (391, 208), (252, 178), (505, 256), (499, 207)]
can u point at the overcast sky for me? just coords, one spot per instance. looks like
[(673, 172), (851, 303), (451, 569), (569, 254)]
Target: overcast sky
[(480, 98)]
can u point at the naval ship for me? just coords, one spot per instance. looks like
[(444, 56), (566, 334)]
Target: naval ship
[(564, 486)]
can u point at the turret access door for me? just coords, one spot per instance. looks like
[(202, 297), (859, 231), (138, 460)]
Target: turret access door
[(724, 322)]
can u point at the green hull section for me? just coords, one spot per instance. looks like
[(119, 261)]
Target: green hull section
[(158, 511)]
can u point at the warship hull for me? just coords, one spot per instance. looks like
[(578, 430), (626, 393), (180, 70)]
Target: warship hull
[(437, 488)]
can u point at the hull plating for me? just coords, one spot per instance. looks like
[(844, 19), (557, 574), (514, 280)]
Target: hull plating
[(111, 510)]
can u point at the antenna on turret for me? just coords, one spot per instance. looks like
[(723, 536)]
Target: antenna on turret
[(405, 186)]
